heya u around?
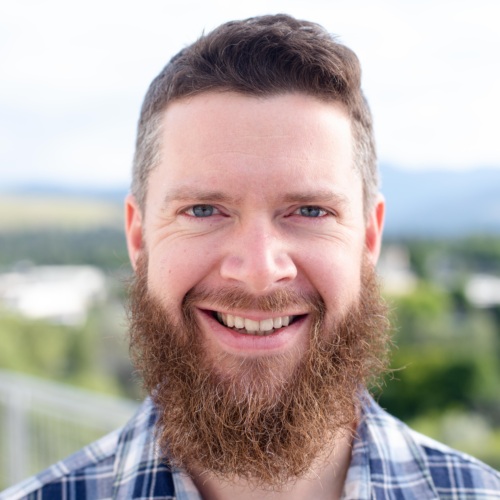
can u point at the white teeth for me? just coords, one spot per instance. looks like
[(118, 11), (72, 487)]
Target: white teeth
[(266, 325), (239, 322), (251, 326)]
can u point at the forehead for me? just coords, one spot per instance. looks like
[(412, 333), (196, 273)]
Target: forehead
[(213, 119), (241, 141)]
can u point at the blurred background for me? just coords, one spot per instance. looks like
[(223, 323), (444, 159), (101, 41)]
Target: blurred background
[(73, 79)]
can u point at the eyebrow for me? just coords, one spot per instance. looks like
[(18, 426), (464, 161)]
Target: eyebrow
[(185, 193), (199, 195), (316, 196)]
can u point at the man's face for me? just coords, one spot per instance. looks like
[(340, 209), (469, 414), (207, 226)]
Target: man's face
[(255, 313), (254, 196)]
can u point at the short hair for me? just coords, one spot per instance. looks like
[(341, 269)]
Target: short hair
[(260, 56)]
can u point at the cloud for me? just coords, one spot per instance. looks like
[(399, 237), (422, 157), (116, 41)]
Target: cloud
[(74, 76)]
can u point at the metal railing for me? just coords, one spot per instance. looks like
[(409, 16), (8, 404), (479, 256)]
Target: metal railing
[(42, 422)]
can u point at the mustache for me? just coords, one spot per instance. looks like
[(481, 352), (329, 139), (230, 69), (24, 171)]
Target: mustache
[(281, 299)]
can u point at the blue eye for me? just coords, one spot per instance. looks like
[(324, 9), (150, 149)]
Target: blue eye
[(311, 211), (202, 210)]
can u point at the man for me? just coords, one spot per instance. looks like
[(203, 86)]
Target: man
[(253, 227)]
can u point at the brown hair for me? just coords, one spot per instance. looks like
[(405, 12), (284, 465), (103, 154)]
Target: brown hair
[(260, 56)]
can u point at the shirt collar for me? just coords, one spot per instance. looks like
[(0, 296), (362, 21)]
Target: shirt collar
[(384, 456)]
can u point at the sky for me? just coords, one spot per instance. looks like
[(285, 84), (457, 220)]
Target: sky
[(73, 76)]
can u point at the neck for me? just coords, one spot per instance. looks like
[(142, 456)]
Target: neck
[(324, 481)]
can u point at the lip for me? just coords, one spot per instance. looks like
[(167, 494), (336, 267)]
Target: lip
[(230, 340), (256, 315)]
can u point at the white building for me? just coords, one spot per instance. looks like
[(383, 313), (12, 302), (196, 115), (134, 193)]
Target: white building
[(483, 290), (395, 272), (62, 294)]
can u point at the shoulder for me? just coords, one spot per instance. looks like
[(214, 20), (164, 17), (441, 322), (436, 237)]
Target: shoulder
[(401, 456), (84, 471), (123, 464), (454, 471)]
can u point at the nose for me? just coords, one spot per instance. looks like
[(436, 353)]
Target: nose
[(258, 257)]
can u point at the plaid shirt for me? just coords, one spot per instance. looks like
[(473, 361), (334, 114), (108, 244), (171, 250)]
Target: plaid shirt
[(389, 461)]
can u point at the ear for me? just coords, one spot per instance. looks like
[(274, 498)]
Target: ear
[(133, 229), (374, 228)]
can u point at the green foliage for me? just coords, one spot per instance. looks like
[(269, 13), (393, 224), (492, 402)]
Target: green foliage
[(427, 377), (34, 347), (444, 358), (432, 258), (446, 369), (101, 247), (418, 315), (74, 355), (468, 431), (25, 212)]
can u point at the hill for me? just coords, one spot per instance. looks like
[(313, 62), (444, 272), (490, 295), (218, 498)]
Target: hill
[(438, 203), (424, 203), (27, 210)]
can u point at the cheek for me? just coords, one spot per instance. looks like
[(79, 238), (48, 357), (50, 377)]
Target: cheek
[(176, 268), (336, 275)]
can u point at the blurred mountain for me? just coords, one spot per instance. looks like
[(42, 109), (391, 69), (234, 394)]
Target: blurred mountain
[(60, 191), (434, 203), (423, 203)]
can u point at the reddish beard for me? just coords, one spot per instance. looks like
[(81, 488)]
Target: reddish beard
[(265, 419)]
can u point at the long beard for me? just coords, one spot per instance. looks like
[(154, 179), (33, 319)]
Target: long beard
[(267, 419)]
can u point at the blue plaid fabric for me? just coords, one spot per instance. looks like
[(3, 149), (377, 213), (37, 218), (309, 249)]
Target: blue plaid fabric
[(389, 461)]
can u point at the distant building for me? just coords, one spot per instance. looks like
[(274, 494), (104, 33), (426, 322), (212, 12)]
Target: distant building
[(62, 294), (394, 269), (483, 290)]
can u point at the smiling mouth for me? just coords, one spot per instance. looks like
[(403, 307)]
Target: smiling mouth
[(251, 327)]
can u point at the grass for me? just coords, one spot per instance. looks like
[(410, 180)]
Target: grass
[(23, 212)]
